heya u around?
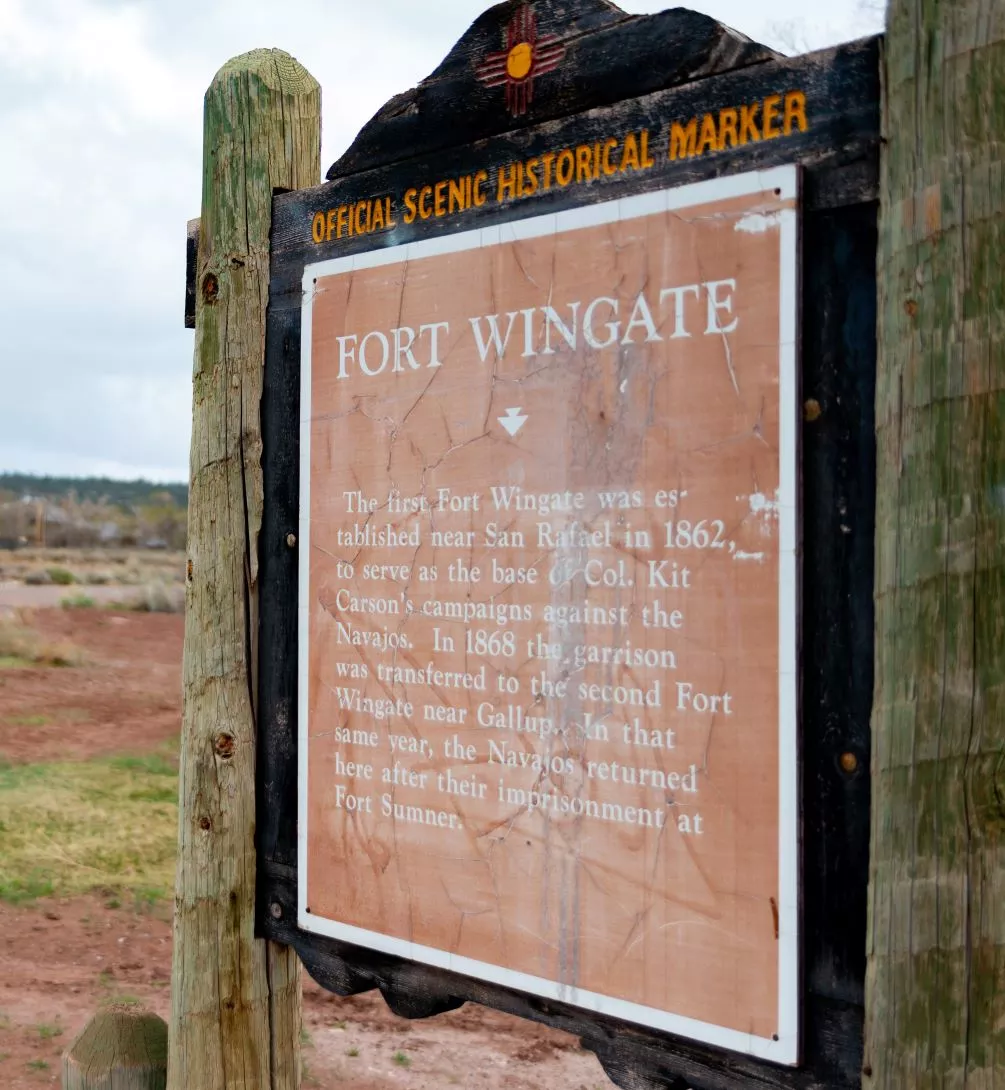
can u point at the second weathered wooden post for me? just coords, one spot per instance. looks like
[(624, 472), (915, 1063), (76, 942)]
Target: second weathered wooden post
[(121, 1048), (935, 998), (235, 1017)]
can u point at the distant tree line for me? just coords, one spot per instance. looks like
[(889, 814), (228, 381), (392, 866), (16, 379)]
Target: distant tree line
[(91, 511), (124, 494)]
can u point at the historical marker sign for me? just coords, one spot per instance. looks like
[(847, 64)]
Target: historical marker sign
[(562, 511), (548, 607)]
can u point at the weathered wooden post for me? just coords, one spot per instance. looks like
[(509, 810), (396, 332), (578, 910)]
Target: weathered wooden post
[(235, 1017), (119, 1049), (935, 1000)]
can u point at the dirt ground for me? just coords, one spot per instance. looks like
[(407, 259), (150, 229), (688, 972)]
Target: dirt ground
[(60, 959)]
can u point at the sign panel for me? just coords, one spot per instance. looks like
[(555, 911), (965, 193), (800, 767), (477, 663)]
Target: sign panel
[(548, 607)]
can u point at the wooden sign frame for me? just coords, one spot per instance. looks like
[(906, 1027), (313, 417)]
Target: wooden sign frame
[(621, 75)]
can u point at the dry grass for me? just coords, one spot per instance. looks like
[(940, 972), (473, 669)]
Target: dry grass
[(21, 645), (157, 598), (93, 567), (103, 824)]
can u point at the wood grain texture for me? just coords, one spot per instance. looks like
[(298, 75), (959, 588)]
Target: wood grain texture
[(235, 1018), (119, 1049), (839, 151), (839, 154), (634, 55), (936, 930)]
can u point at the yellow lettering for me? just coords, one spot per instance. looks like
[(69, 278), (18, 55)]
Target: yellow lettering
[(727, 127), (377, 216), (330, 224), (771, 104), (683, 139), (647, 159), (748, 123), (596, 159), (457, 200), (424, 194), (609, 145), (564, 167), (480, 179), (410, 210), (530, 175), (342, 220), (584, 173), (709, 138), (318, 227), (630, 156), (795, 111), (440, 200), (507, 183), (546, 160)]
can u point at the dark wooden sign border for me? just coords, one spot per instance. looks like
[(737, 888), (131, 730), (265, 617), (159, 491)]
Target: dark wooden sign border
[(839, 154)]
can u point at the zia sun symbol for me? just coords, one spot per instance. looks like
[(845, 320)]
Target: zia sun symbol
[(525, 57)]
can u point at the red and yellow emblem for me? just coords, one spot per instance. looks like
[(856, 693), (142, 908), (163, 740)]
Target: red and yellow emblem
[(525, 57)]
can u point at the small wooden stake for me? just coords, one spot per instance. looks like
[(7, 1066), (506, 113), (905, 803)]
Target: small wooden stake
[(235, 999), (119, 1049)]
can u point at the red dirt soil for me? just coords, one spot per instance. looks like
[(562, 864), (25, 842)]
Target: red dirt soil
[(61, 959), (126, 700)]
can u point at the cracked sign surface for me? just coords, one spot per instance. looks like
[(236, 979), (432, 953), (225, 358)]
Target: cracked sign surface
[(548, 607)]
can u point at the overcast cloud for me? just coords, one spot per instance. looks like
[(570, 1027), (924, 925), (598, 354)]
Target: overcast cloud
[(100, 104)]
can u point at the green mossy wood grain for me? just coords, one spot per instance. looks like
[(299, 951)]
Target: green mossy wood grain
[(235, 1017), (936, 931), (118, 1050)]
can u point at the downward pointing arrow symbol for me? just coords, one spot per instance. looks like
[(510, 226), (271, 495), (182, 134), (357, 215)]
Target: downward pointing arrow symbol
[(512, 421)]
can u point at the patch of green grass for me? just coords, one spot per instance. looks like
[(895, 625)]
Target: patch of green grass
[(305, 1037), (150, 764), (402, 1059), (352, 1052), (29, 720), (38, 1065), (48, 1030), (19, 889), (78, 601), (62, 577), (106, 824), (146, 900)]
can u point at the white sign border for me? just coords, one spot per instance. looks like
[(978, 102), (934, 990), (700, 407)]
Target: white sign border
[(784, 1047)]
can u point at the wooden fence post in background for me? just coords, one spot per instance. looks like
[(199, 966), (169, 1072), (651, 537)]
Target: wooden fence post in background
[(935, 985), (119, 1049), (235, 1001)]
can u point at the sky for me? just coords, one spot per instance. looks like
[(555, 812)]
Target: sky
[(101, 125)]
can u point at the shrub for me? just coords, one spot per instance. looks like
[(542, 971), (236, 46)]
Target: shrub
[(158, 598), (77, 601), (62, 577), (21, 646)]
